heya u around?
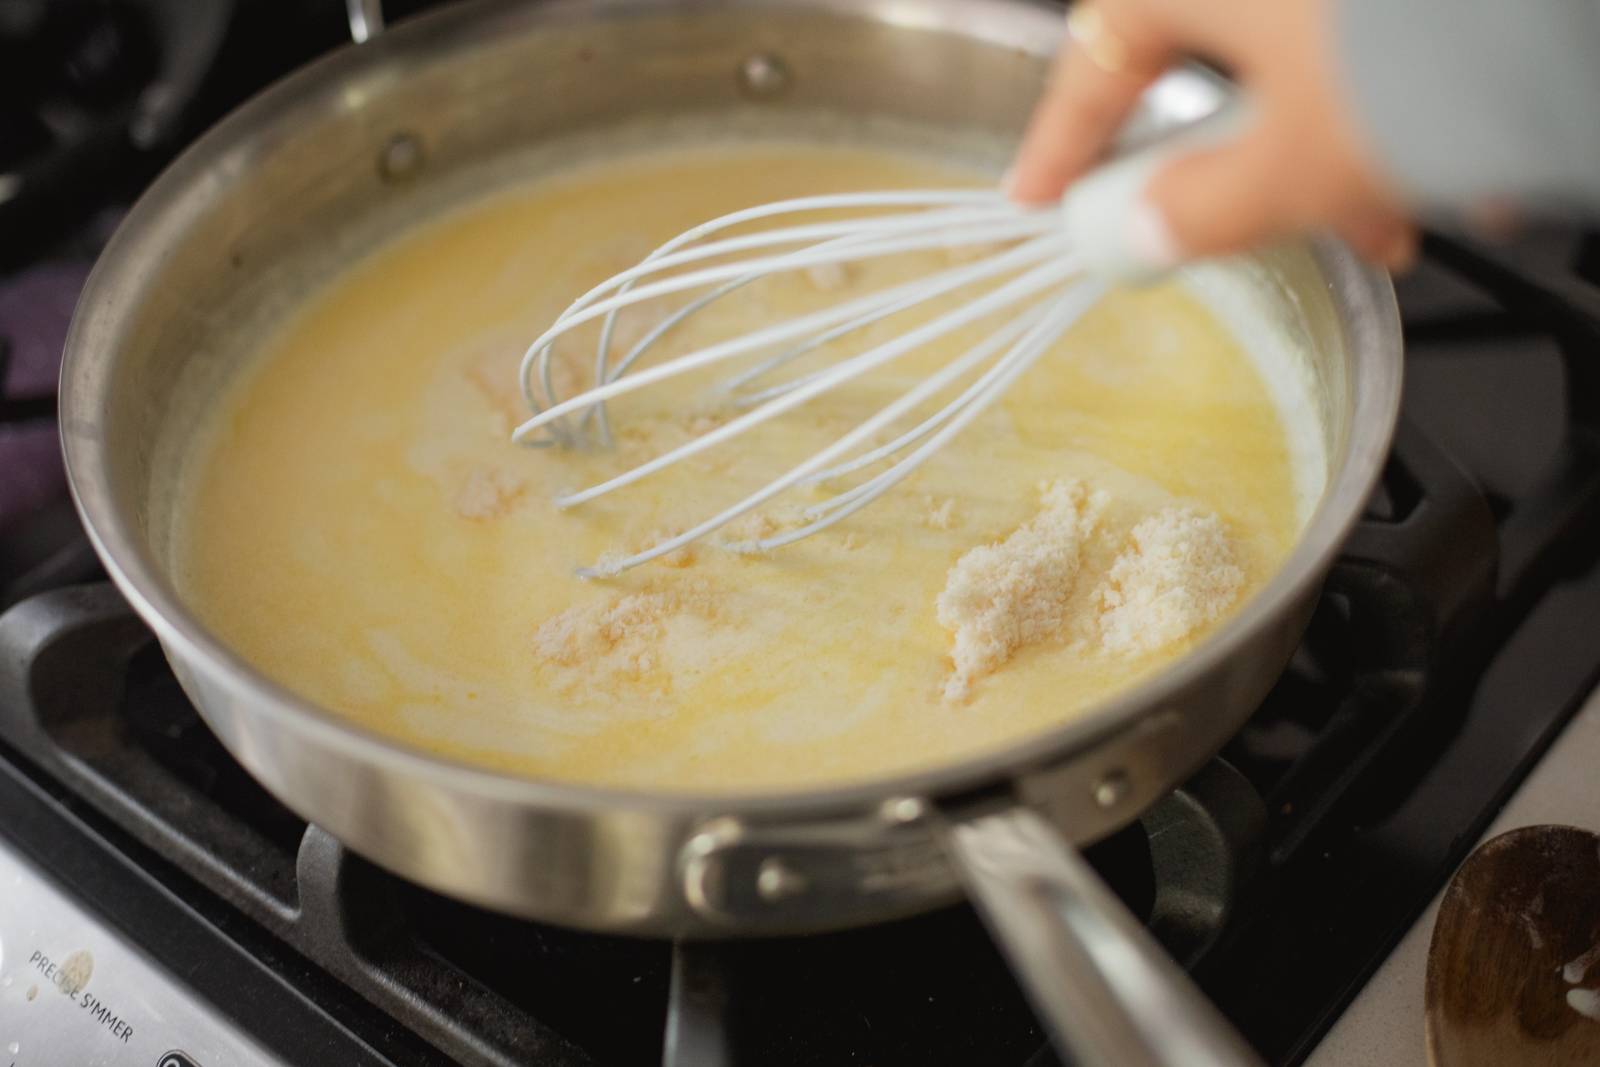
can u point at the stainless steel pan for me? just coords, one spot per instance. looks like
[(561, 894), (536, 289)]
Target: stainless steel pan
[(306, 175)]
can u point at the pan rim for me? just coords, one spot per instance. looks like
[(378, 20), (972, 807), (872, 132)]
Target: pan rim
[(110, 297)]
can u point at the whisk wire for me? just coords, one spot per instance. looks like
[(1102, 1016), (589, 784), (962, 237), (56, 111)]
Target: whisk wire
[(604, 373), (1032, 282), (955, 417), (1028, 279), (808, 257), (929, 289), (1032, 251), (974, 356), (667, 255), (1011, 367), (841, 235), (798, 473)]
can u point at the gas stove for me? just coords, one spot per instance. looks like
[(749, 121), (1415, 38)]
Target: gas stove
[(158, 907)]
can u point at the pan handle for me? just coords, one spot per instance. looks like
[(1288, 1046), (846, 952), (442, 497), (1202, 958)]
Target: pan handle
[(366, 19), (1105, 988)]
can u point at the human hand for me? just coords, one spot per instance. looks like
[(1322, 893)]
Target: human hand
[(1301, 165)]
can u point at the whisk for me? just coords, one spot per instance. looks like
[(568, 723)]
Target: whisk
[(1029, 278)]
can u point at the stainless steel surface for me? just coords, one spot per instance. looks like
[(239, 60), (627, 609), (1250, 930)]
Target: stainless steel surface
[(697, 1010), (279, 194), (738, 873), (366, 19), (72, 991), (1105, 988)]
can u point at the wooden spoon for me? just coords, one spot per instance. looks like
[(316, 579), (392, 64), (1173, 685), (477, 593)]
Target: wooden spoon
[(1514, 967)]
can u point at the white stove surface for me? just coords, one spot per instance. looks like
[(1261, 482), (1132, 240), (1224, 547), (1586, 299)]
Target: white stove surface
[(1383, 1026), (75, 993)]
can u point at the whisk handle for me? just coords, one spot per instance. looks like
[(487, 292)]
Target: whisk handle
[(1105, 212)]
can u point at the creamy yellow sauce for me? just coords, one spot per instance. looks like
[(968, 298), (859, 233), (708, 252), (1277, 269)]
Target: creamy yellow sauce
[(358, 525)]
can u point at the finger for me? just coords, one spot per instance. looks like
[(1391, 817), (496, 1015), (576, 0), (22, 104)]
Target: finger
[(1401, 254), (1495, 219), (1221, 200), (1392, 245), (1110, 57), (1369, 236), (1382, 237)]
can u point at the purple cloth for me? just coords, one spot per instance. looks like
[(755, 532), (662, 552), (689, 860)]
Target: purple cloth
[(31, 472), (35, 310)]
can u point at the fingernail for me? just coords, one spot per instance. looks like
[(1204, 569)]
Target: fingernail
[(1150, 239), (1008, 187)]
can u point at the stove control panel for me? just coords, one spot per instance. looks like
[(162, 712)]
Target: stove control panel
[(73, 993)]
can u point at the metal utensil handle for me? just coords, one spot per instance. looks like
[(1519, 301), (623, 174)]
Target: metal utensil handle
[(1107, 991), (366, 19)]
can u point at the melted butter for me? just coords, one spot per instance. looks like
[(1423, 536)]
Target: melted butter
[(358, 526)]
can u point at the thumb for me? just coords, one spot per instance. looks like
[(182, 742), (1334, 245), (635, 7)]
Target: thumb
[(1223, 199), (1216, 190)]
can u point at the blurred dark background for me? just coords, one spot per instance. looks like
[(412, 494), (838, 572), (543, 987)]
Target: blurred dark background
[(97, 95)]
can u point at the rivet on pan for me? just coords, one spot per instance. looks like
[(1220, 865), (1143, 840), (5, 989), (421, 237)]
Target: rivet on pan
[(763, 75), (776, 880), (904, 809), (1113, 789), (401, 157)]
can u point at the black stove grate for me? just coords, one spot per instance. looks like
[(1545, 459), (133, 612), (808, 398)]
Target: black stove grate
[(1470, 648)]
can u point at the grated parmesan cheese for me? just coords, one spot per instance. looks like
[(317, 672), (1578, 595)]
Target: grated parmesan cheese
[(702, 424), (587, 632), (940, 514), (494, 374), (828, 276), (621, 636), (1001, 597), (1177, 573), (750, 527), (488, 493), (679, 558)]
